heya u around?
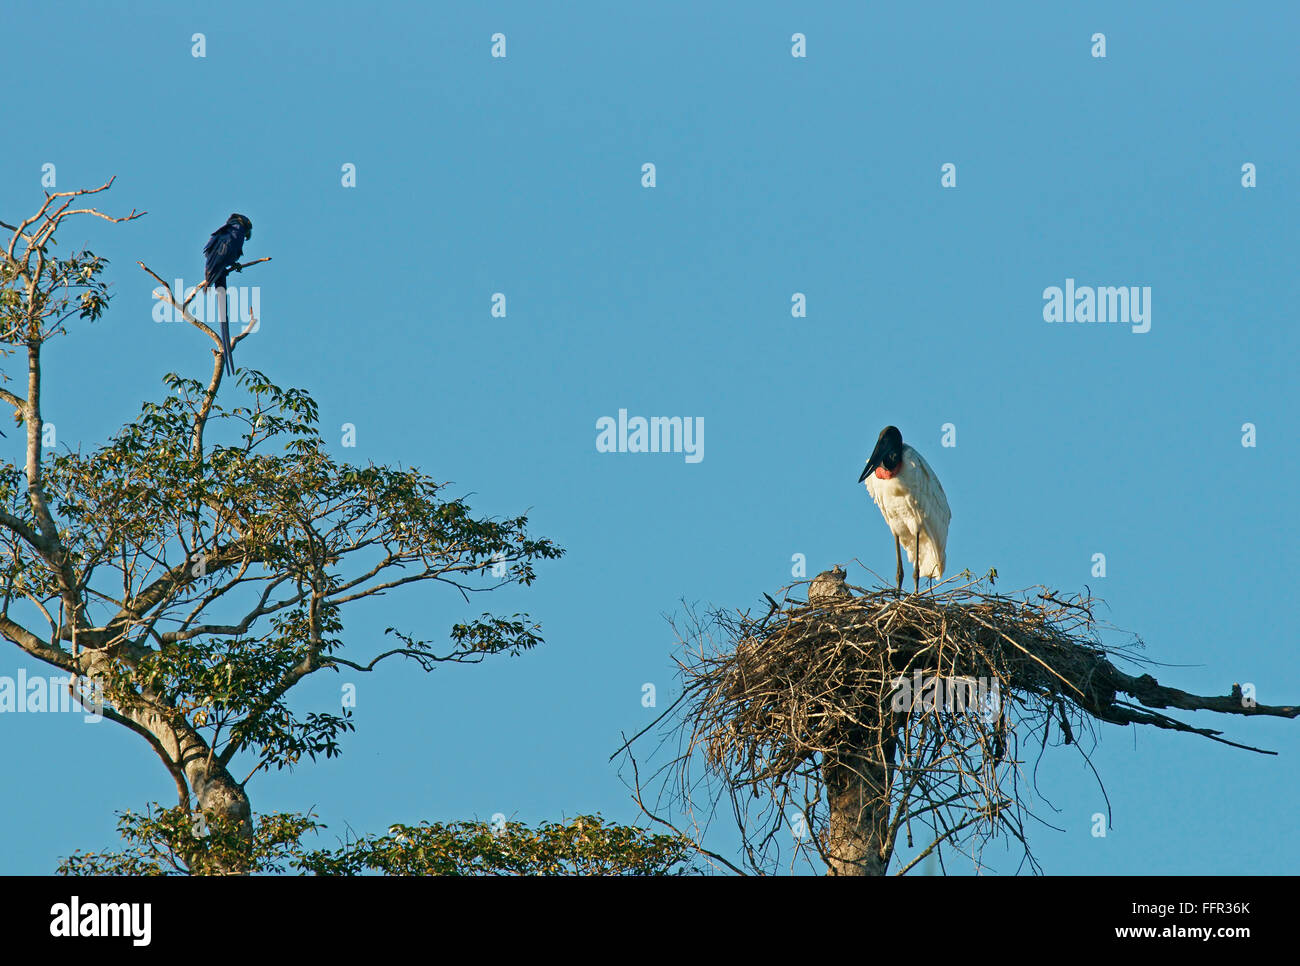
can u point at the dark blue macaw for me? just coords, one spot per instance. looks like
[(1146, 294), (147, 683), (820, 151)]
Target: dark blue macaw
[(222, 253)]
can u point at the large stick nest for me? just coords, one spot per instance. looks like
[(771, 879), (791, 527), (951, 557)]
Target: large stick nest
[(941, 693), (799, 681)]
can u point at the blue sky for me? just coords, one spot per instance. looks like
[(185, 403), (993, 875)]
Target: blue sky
[(775, 175)]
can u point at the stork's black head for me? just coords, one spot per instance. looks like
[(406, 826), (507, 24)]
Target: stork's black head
[(243, 222), (888, 452)]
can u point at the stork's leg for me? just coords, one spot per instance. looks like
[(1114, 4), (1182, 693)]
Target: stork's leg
[(898, 555), (916, 566)]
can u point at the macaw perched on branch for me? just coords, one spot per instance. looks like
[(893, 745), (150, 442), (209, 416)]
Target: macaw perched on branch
[(222, 254)]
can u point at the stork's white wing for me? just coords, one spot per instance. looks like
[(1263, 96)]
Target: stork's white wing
[(927, 492)]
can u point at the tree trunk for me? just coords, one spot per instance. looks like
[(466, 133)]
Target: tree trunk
[(222, 801), (857, 793), (221, 798)]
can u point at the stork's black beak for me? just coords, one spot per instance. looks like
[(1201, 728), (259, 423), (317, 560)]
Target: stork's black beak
[(877, 457)]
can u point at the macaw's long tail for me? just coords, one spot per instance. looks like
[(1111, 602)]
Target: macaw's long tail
[(227, 351)]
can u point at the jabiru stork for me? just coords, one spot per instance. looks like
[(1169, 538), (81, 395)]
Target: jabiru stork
[(912, 502)]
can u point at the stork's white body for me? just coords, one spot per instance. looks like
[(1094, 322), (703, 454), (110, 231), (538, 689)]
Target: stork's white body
[(914, 505)]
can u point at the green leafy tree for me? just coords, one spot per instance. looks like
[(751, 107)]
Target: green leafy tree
[(199, 565), (161, 842)]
